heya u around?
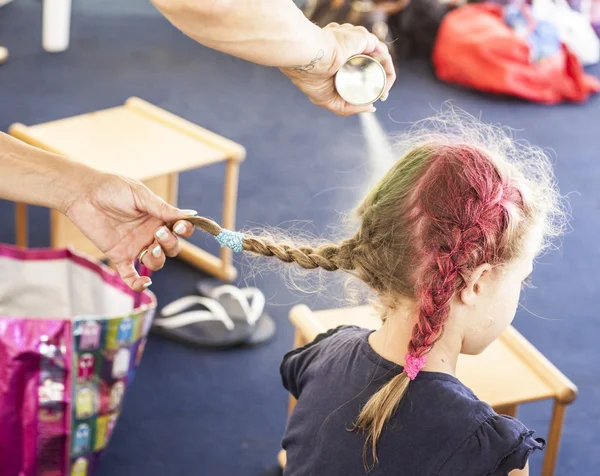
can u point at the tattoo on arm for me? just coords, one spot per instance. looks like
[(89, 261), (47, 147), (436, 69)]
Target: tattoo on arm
[(307, 67)]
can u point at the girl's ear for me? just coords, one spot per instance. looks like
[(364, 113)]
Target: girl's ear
[(475, 284)]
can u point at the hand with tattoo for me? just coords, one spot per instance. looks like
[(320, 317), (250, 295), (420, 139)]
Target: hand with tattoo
[(316, 78)]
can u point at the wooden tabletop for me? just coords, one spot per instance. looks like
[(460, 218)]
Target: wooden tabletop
[(138, 140), (508, 372)]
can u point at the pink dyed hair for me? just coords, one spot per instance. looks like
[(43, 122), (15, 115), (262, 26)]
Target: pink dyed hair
[(462, 209)]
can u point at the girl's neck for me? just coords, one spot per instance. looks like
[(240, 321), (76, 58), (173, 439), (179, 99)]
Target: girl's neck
[(391, 342)]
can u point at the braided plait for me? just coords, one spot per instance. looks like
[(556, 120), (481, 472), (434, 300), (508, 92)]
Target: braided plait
[(462, 241), (329, 257), (445, 276)]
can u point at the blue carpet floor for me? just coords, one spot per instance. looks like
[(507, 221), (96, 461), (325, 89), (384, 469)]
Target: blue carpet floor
[(222, 413)]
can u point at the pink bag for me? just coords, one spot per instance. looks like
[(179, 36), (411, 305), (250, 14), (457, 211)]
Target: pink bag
[(71, 338)]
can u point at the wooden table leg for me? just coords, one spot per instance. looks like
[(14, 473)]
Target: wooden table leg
[(203, 260), (222, 268), (3, 52), (173, 192), (281, 458), (510, 410), (21, 224), (553, 441), (230, 190), (299, 339)]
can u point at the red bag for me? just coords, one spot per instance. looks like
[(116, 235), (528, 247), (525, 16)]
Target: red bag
[(476, 48)]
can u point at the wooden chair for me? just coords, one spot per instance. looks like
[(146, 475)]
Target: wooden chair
[(509, 372), (144, 142)]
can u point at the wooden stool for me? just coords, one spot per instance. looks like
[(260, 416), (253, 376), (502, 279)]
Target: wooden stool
[(3, 54), (143, 142), (509, 372)]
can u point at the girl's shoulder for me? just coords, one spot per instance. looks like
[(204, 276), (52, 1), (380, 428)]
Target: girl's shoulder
[(330, 341), (464, 435), (496, 446), (322, 350)]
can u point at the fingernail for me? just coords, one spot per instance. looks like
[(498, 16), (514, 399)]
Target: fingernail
[(384, 97), (162, 234), (147, 285), (190, 213), (156, 251), (373, 109), (179, 229)]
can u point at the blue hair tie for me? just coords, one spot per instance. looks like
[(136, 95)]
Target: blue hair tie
[(231, 239)]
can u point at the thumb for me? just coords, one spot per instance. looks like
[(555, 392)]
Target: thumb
[(158, 208)]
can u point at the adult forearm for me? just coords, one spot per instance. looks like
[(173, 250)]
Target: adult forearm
[(36, 177), (267, 32)]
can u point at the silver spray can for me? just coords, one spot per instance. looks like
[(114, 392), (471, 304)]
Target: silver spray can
[(361, 80)]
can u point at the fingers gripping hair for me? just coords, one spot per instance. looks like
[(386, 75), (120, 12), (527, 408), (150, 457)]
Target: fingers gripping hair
[(205, 224)]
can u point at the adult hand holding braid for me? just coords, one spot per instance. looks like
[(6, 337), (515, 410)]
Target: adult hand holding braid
[(122, 217), (127, 221), (276, 33)]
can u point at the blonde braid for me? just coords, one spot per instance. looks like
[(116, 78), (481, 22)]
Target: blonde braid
[(330, 257)]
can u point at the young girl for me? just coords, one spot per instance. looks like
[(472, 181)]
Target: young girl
[(446, 240)]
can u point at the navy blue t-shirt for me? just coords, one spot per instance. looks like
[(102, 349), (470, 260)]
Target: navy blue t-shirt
[(440, 427)]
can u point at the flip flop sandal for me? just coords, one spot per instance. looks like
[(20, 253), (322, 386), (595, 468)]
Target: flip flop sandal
[(240, 304), (207, 325)]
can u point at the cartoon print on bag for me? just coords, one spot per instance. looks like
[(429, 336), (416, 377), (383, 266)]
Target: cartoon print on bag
[(85, 368), (84, 403), (80, 467), (82, 438), (116, 395), (121, 363), (90, 335), (125, 331)]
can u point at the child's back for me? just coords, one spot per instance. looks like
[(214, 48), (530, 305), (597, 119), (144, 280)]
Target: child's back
[(440, 427)]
